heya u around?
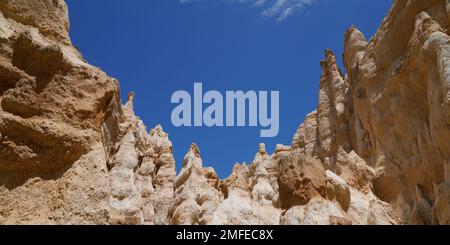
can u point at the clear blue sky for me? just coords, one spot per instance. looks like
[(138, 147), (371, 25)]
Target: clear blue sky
[(159, 46)]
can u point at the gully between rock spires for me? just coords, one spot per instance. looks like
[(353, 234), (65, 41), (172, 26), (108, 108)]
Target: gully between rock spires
[(376, 150)]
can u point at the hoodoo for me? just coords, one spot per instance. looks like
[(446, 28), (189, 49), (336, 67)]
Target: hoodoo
[(376, 150)]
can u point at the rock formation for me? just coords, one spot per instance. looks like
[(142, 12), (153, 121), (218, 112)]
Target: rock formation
[(375, 151), (196, 191)]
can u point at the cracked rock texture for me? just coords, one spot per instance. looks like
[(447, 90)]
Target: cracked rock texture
[(375, 151)]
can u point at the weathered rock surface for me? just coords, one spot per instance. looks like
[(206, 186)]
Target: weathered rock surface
[(196, 191), (375, 151), (70, 152), (52, 106), (399, 93)]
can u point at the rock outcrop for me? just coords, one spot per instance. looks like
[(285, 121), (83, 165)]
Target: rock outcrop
[(70, 152), (399, 100), (375, 151), (52, 105), (196, 191)]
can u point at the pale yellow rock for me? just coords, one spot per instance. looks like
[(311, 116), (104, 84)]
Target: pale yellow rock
[(237, 180), (264, 186), (391, 135), (406, 132), (125, 198), (338, 188), (160, 155), (52, 104), (240, 209), (196, 190), (305, 137), (69, 198), (318, 211), (375, 151)]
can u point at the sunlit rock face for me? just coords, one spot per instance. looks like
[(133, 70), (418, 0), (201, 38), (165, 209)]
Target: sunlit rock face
[(388, 117), (376, 149), (400, 97)]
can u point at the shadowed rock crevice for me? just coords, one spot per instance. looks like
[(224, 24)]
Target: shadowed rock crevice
[(29, 56)]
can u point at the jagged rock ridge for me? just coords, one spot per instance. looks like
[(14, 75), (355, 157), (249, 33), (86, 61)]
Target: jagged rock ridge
[(376, 150)]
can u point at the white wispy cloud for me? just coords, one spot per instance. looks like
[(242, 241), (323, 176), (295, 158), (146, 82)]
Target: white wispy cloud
[(277, 9)]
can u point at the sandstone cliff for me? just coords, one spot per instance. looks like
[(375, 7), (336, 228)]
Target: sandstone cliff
[(376, 150)]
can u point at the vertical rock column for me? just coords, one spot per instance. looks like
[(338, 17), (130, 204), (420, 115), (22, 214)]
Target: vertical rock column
[(263, 178), (328, 127), (196, 191), (125, 198), (159, 156), (141, 168)]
